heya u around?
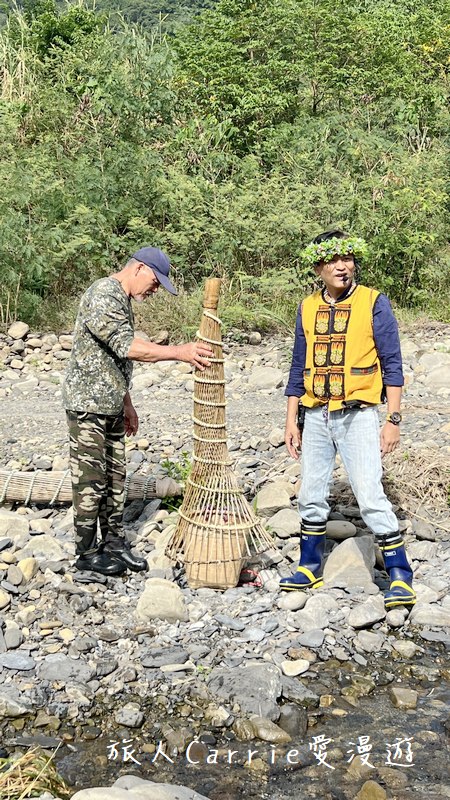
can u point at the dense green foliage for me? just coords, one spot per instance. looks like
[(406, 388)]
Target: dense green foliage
[(167, 15), (230, 144)]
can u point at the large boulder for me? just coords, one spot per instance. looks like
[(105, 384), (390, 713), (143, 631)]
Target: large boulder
[(285, 523), (44, 547), (351, 563), (13, 525), (161, 599), (255, 687), (430, 614), (272, 498), (18, 330), (131, 787), (266, 378), (59, 667)]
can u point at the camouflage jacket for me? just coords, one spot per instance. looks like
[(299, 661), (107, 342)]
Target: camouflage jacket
[(98, 372)]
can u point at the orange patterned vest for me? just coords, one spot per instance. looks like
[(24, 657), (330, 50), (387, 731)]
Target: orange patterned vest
[(342, 363)]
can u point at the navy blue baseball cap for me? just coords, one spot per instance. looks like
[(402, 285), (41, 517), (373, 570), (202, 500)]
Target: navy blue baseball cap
[(160, 264)]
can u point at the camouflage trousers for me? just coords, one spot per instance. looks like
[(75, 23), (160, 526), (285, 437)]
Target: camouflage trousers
[(97, 464)]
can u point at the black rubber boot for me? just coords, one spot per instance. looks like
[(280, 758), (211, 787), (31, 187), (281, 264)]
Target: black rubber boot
[(129, 559), (104, 563)]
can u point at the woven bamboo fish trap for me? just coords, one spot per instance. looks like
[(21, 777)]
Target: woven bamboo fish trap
[(217, 529), (51, 488)]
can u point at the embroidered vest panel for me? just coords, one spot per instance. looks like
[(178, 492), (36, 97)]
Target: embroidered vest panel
[(342, 363)]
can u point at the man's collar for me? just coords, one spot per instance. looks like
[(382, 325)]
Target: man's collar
[(346, 293)]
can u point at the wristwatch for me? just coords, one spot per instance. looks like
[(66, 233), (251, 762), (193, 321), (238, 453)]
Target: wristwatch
[(395, 418)]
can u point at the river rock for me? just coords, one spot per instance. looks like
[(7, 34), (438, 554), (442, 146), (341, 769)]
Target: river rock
[(313, 638), (265, 378), (13, 525), (296, 691), (292, 601), (294, 720), (316, 613), (129, 715), (272, 498), (368, 613), (255, 687), (18, 346), (424, 593), (276, 437), (351, 563), (430, 614), (17, 661), (396, 617), (438, 378), (161, 599), (267, 731), (13, 636), (340, 529), (406, 648), (14, 575), (158, 658), (12, 703), (18, 330), (28, 568), (143, 381), (294, 668), (285, 523), (369, 641), (59, 667), (43, 548), (423, 551), (5, 599), (130, 787), (28, 385), (371, 790), (403, 698), (66, 341), (424, 530)]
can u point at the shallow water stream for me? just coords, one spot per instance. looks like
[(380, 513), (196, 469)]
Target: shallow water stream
[(356, 738)]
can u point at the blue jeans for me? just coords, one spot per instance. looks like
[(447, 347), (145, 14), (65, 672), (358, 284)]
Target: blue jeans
[(355, 435)]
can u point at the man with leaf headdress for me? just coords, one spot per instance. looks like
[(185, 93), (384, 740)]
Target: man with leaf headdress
[(346, 360)]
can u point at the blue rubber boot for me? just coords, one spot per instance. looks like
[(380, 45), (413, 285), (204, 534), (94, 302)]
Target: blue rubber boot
[(400, 592), (309, 570)]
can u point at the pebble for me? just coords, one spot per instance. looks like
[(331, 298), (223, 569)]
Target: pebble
[(293, 668), (403, 698), (5, 599)]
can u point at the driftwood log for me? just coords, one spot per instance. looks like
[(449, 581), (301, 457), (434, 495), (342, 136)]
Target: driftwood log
[(49, 488)]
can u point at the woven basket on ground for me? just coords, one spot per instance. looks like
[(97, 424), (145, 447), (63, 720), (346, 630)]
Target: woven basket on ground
[(49, 488), (217, 528)]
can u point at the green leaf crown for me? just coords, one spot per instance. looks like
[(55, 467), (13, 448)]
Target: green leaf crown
[(325, 251)]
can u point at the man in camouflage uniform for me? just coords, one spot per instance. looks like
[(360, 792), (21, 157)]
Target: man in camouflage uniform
[(99, 408)]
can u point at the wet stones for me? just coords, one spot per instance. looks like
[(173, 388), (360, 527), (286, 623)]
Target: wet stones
[(130, 715), (403, 698), (254, 687)]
